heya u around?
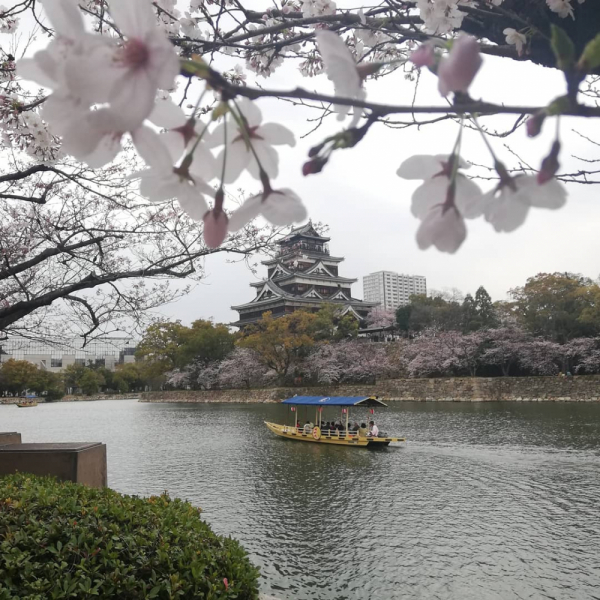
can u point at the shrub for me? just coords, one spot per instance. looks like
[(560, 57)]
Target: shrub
[(64, 540)]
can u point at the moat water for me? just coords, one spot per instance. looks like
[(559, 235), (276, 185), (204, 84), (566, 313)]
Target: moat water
[(486, 501)]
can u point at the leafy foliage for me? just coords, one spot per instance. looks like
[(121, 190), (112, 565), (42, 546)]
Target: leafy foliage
[(64, 540)]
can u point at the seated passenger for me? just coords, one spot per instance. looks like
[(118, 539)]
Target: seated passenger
[(374, 429), (354, 427), (308, 427), (362, 430)]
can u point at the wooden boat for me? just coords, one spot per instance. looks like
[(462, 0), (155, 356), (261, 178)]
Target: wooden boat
[(27, 403), (317, 434)]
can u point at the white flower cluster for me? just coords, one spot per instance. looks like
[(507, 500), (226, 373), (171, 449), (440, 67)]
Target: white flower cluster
[(8, 24), (562, 8), (318, 8), (105, 87), (441, 16), (25, 131)]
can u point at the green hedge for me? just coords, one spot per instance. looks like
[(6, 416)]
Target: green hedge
[(63, 540)]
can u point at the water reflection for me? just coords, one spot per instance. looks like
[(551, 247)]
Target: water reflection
[(486, 501)]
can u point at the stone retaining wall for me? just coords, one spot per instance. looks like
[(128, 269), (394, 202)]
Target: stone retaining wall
[(459, 389)]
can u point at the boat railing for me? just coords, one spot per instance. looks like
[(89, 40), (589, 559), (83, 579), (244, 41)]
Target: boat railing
[(325, 433)]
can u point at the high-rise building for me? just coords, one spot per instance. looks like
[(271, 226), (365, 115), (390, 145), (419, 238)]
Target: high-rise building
[(302, 276), (391, 289)]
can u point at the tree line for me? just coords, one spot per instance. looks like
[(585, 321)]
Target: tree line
[(548, 326)]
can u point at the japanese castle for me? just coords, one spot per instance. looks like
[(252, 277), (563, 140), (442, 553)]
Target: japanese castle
[(302, 276)]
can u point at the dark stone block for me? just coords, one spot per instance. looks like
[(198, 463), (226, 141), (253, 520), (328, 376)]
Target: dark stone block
[(79, 462)]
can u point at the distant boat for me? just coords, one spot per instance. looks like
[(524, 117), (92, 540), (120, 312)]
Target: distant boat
[(27, 403), (339, 437)]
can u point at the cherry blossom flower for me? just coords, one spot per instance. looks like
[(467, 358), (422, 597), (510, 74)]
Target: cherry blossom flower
[(126, 76), (507, 205), (562, 8), (237, 152), (162, 181), (457, 71), (515, 38), (423, 56), (442, 227), (342, 71), (441, 16), (279, 207), (317, 8), (8, 23), (436, 172)]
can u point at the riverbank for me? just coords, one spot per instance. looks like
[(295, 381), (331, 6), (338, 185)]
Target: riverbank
[(73, 398), (457, 389)]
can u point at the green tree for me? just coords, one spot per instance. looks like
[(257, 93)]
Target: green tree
[(470, 315), (129, 377), (91, 382), (48, 384), (161, 344), (280, 342), (558, 306), (485, 308), (17, 376), (424, 312), (330, 325), (204, 342), (73, 374)]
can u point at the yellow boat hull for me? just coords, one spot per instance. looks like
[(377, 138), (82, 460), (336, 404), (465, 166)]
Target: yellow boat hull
[(335, 438), (26, 404)]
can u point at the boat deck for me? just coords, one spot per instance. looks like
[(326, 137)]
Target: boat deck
[(338, 438)]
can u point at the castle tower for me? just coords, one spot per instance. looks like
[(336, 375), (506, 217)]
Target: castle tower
[(302, 276)]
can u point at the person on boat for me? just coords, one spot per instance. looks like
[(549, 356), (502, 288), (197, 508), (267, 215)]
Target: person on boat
[(308, 427), (374, 429), (354, 427), (362, 430)]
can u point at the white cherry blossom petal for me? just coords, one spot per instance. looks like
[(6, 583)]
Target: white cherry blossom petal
[(248, 211), (283, 207), (151, 148), (551, 195), (269, 159), (65, 17), (420, 166), (468, 198), (133, 17), (507, 211), (237, 158), (444, 229), (277, 134), (428, 195), (167, 114), (193, 204), (250, 111)]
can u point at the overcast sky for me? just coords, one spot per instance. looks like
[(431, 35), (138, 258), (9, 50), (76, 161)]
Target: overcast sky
[(367, 206)]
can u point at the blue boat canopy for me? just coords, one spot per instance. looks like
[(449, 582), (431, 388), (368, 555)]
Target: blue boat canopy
[(335, 401)]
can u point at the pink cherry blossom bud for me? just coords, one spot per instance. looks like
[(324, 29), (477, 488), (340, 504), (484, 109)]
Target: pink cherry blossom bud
[(226, 583), (457, 71), (534, 124), (313, 166), (423, 56), (215, 228), (550, 165)]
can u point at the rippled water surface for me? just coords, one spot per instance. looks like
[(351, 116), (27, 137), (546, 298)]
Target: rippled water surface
[(494, 500)]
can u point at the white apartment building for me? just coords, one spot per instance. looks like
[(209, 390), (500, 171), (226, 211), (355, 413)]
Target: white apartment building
[(392, 289)]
